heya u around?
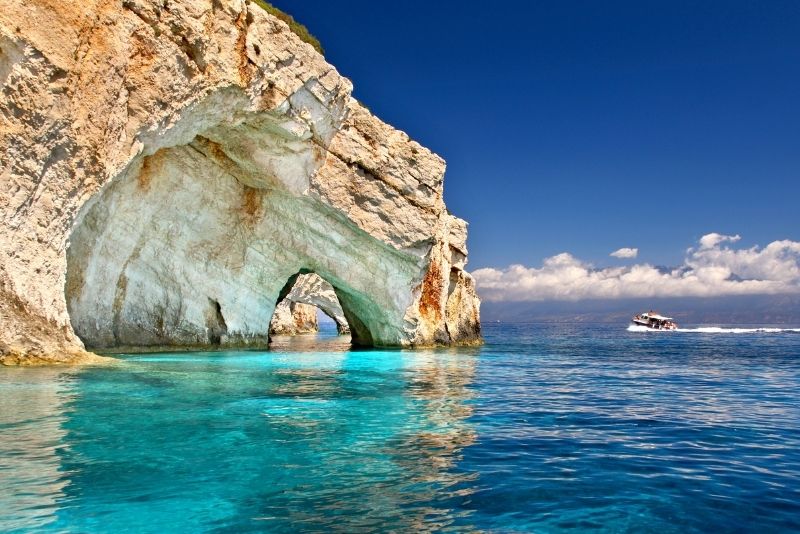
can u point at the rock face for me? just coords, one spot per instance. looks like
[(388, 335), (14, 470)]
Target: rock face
[(312, 290), (169, 168), (293, 318)]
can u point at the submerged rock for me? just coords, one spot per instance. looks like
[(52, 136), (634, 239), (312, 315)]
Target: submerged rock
[(167, 169)]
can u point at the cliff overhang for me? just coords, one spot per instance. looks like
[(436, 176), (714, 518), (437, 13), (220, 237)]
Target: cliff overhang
[(169, 167)]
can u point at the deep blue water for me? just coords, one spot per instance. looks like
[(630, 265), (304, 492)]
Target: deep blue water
[(546, 428)]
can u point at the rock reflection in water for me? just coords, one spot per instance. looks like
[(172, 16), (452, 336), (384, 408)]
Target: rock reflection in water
[(430, 455), (32, 404), (310, 343), (394, 466), (279, 441)]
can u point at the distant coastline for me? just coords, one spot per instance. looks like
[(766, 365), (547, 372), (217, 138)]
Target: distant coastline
[(744, 310)]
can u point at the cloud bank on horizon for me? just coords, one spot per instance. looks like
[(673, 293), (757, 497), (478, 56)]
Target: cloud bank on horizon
[(711, 269)]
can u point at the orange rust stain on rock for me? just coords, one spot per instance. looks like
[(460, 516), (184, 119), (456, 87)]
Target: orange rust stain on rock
[(271, 97), (245, 72), (319, 154), (252, 200), (213, 150), (151, 165), (432, 289), (216, 153)]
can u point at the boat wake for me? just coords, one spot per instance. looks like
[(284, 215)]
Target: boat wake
[(719, 330)]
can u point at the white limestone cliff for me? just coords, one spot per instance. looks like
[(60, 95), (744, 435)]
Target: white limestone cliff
[(167, 169)]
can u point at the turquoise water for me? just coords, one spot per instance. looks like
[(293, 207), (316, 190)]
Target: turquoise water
[(546, 428)]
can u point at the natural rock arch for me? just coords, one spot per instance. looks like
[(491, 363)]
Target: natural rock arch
[(309, 293), (358, 321), (186, 236), (170, 168)]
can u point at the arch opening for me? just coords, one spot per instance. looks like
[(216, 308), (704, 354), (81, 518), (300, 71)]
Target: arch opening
[(303, 294), (300, 299), (323, 317)]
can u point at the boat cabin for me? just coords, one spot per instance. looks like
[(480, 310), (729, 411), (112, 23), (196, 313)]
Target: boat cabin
[(655, 321)]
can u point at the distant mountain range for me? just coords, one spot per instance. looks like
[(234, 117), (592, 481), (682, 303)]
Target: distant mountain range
[(751, 310)]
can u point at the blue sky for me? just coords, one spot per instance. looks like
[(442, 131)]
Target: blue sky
[(568, 125)]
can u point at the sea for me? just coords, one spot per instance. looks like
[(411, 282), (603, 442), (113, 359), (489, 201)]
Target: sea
[(545, 428)]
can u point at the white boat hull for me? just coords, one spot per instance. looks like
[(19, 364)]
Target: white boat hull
[(654, 327), (652, 324)]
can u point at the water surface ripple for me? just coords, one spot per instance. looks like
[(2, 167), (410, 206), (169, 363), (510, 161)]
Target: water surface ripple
[(546, 428)]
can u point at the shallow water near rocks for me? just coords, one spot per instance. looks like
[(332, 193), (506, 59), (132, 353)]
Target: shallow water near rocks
[(546, 428)]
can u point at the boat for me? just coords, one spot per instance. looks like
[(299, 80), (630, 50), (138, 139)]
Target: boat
[(655, 321)]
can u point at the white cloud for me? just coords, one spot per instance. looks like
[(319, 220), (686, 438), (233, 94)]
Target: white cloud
[(713, 239), (625, 252), (712, 269)]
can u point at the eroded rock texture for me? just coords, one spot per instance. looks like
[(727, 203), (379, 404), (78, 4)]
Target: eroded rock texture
[(168, 167), (293, 318)]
